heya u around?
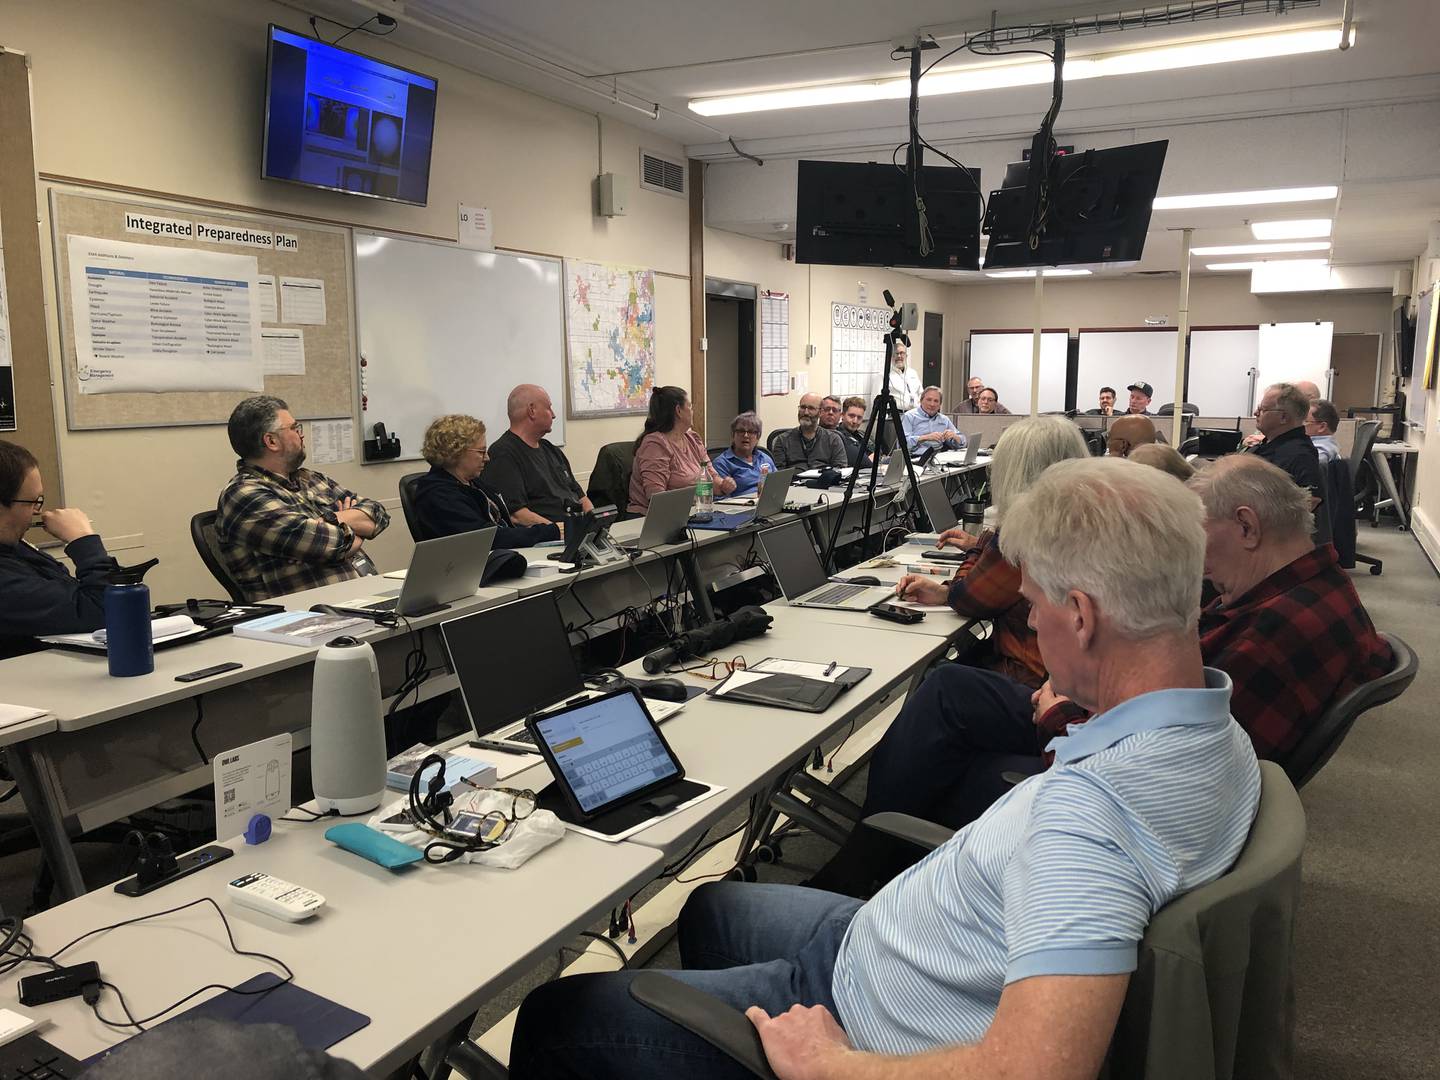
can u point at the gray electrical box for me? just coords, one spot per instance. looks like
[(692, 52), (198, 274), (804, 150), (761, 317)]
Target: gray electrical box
[(612, 194)]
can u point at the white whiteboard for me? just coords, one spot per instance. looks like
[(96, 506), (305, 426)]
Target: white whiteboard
[(1120, 357), (1290, 352), (1220, 364), (1004, 362), (446, 329)]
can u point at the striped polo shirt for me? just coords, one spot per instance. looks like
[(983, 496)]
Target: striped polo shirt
[(1060, 877)]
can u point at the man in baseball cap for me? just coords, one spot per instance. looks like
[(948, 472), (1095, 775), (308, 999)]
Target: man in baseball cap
[(1140, 394)]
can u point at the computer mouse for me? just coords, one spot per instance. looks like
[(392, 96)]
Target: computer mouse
[(864, 579), (662, 689)]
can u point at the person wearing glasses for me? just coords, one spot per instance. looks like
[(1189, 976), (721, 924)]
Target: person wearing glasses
[(1280, 417), (42, 596), (281, 527), (451, 498), (745, 462)]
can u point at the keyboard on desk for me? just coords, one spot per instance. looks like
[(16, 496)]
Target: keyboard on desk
[(836, 594), (32, 1058)]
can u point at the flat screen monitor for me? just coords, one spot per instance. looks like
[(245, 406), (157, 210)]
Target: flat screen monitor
[(338, 120), (863, 214), (1099, 208)]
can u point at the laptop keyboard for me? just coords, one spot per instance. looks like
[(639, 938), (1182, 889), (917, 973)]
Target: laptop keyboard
[(836, 594), (383, 605), (32, 1058), (521, 736)]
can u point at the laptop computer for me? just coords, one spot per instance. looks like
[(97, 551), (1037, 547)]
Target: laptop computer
[(770, 502), (666, 518), (513, 661), (802, 579), (441, 571), (936, 504), (613, 768)]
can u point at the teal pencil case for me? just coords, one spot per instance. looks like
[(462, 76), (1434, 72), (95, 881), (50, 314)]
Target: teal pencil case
[(374, 845)]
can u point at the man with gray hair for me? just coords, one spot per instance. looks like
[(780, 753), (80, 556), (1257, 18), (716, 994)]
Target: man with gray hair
[(1023, 969), (1280, 417), (283, 528), (926, 427), (527, 469)]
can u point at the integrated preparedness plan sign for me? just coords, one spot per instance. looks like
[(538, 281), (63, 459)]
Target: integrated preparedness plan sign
[(150, 319)]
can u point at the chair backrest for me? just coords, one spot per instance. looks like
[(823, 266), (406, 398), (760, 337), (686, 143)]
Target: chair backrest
[(609, 483), (207, 546), (407, 507), (1213, 993), (1365, 433), (773, 438), (1321, 741), (1340, 508)]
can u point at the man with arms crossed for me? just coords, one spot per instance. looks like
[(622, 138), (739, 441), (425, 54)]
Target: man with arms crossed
[(1008, 950), (283, 528), (530, 472)]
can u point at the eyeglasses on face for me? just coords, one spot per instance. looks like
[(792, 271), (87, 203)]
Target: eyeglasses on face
[(38, 503), (296, 427), (480, 451)]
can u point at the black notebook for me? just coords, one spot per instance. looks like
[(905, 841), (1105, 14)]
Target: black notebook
[(787, 689)]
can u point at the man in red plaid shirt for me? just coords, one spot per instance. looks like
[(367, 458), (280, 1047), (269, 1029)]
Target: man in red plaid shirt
[(1287, 627)]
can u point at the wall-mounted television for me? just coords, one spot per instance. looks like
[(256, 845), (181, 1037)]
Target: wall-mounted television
[(342, 121)]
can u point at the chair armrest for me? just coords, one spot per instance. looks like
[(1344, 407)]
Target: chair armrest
[(472, 1063), (703, 1015), (921, 833)]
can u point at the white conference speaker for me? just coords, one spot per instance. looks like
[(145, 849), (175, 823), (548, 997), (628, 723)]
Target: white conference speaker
[(347, 732)]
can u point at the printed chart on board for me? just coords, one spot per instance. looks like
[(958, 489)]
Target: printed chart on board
[(857, 348)]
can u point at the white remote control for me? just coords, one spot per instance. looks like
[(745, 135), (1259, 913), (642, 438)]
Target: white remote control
[(275, 897)]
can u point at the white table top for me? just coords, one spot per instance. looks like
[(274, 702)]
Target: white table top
[(415, 950), (27, 729), (1394, 448)]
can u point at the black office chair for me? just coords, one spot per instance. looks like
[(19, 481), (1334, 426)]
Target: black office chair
[(1321, 741), (773, 438), (609, 483), (407, 507), (1168, 409), (1230, 933), (1366, 433), (207, 546)]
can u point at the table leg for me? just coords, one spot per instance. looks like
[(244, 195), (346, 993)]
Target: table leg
[(1381, 461), (42, 803)]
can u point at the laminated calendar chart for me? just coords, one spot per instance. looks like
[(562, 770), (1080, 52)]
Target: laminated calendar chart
[(151, 319), (857, 348)]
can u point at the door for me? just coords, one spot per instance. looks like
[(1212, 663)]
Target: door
[(722, 368), (931, 348), (1356, 360)]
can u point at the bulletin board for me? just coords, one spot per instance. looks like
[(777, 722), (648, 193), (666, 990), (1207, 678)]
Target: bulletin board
[(318, 252)]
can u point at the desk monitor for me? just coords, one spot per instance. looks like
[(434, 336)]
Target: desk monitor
[(511, 660)]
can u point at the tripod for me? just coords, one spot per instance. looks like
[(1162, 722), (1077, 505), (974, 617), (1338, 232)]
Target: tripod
[(883, 408)]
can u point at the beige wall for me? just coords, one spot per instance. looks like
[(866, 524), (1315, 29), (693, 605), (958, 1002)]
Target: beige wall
[(1215, 299), (812, 290), (167, 95)]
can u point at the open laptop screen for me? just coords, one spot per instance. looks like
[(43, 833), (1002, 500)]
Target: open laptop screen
[(792, 558), (511, 660), (937, 505), (605, 750)]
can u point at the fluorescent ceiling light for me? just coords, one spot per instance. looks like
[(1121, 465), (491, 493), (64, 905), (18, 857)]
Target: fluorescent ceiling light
[(1302, 229), (1297, 275), (1031, 72), (1054, 271), (1263, 249), (1245, 198), (1234, 265)]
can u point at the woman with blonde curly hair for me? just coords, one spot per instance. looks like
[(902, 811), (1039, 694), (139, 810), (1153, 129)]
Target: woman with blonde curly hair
[(451, 498)]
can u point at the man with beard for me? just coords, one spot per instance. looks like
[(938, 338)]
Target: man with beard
[(808, 445), (283, 528)]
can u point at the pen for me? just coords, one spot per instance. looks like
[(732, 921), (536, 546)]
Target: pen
[(831, 669)]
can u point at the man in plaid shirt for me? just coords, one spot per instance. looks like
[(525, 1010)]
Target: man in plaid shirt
[(1287, 627), (283, 528)]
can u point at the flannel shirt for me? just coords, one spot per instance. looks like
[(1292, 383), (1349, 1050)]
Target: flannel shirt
[(1292, 645), (988, 587), (279, 535)]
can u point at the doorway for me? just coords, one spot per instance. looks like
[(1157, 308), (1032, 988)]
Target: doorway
[(729, 356), (1356, 360), (931, 345)]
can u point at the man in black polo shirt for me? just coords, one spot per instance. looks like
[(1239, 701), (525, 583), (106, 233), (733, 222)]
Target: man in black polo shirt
[(1140, 394), (530, 472), (1280, 417)]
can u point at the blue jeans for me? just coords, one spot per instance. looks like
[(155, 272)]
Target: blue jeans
[(767, 945)]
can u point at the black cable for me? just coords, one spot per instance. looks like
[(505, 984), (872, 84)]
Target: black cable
[(384, 20), (619, 952), (310, 815), (195, 729)]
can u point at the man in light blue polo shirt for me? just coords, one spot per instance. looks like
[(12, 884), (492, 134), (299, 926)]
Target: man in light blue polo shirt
[(1008, 950), (926, 426)]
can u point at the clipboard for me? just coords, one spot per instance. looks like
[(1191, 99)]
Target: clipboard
[(788, 684)]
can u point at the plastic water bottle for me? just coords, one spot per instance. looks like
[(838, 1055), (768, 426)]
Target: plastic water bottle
[(705, 494), (129, 643), (760, 485)]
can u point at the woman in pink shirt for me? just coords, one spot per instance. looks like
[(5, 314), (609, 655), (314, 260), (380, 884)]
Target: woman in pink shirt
[(668, 454)]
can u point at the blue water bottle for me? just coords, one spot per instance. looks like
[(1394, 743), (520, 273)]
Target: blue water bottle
[(129, 644)]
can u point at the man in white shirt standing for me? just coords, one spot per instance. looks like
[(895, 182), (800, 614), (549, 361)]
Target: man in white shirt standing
[(905, 385)]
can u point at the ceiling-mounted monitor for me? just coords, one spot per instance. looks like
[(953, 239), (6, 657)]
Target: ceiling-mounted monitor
[(863, 214), (342, 121), (1095, 205)]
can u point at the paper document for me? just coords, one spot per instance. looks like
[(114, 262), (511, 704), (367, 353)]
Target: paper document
[(250, 780), (265, 297), (330, 441), (803, 668), (302, 300), (18, 714), (170, 628), (284, 351)]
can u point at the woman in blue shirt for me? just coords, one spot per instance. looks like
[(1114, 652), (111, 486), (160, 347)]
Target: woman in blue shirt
[(744, 462)]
